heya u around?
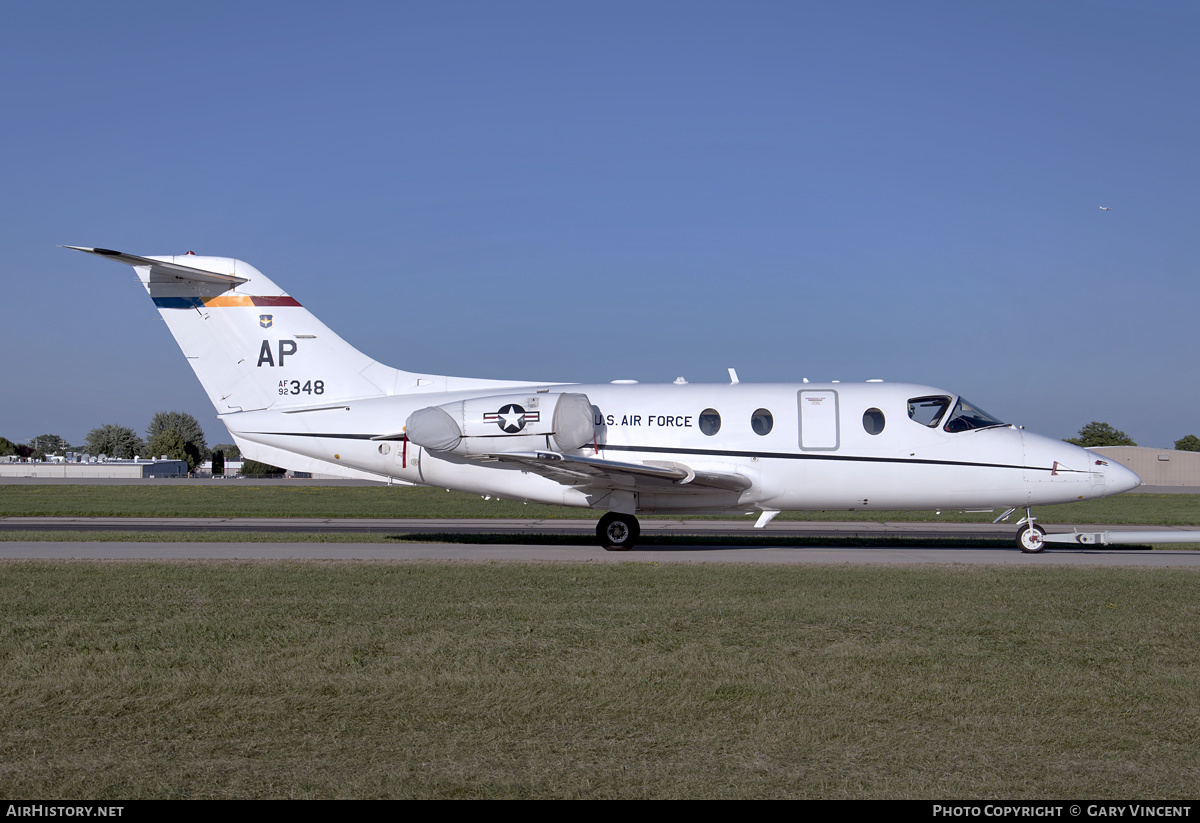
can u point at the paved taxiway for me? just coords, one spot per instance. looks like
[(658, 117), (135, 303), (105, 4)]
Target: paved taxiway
[(585, 530), (782, 555), (505, 547)]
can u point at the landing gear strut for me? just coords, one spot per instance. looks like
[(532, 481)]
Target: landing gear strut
[(618, 532), (1030, 536)]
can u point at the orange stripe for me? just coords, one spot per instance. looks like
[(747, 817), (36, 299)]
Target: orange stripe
[(230, 300)]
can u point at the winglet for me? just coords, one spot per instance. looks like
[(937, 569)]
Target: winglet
[(164, 267)]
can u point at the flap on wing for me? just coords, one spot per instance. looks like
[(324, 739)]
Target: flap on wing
[(567, 468), (164, 268)]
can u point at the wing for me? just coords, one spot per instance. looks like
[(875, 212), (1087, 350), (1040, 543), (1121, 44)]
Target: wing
[(611, 474)]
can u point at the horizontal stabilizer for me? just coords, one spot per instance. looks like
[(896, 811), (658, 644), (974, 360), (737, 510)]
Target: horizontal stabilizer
[(161, 267)]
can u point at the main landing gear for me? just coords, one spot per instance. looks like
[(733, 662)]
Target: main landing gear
[(1030, 536), (618, 532)]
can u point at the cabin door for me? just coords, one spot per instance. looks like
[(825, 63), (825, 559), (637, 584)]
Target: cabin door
[(818, 420)]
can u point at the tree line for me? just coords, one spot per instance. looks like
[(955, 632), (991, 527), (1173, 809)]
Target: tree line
[(175, 434), (1096, 434)]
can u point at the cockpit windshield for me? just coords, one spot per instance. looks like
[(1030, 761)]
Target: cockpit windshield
[(928, 411), (967, 416)]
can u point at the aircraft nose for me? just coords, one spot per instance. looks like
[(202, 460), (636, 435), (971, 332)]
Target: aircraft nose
[(1118, 478)]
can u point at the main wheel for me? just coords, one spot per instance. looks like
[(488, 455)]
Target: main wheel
[(1029, 538), (618, 532)]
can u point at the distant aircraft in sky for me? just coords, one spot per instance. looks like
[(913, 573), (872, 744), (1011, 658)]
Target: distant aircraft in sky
[(296, 395), (1105, 208)]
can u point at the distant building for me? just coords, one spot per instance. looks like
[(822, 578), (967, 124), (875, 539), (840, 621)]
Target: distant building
[(86, 466), (1157, 467), (232, 468)]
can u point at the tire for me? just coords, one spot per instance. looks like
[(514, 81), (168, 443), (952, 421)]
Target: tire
[(1029, 538), (618, 532)]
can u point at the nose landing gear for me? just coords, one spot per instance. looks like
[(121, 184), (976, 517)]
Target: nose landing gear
[(1030, 536), (618, 532)]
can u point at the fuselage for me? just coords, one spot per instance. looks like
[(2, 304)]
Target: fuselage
[(810, 446)]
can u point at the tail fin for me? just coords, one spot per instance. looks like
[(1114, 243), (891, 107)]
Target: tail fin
[(251, 344)]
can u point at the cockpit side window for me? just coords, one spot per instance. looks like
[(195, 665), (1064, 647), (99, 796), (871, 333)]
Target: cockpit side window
[(928, 411), (967, 416)]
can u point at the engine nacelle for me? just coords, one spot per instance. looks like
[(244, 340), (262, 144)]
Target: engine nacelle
[(504, 423)]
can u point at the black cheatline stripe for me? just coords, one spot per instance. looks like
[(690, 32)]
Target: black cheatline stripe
[(762, 455), (837, 457), (316, 434)]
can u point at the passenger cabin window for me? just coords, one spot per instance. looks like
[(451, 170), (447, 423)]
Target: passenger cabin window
[(928, 411), (967, 416), (710, 421), (873, 421), (762, 422)]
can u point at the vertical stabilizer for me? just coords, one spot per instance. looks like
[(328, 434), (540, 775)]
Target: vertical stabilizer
[(252, 345)]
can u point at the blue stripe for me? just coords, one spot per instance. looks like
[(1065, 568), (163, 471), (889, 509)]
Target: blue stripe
[(178, 302)]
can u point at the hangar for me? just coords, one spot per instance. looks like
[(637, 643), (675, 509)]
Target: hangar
[(65, 470), (1158, 468)]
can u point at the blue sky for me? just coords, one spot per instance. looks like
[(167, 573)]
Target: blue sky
[(590, 191)]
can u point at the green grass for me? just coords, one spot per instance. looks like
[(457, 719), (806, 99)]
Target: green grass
[(235, 500), (129, 680), (240, 500)]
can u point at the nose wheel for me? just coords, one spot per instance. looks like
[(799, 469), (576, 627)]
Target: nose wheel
[(618, 532), (1030, 537)]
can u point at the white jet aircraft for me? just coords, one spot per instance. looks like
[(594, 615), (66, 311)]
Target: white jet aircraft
[(294, 394)]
